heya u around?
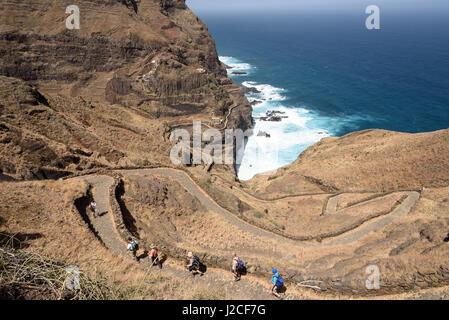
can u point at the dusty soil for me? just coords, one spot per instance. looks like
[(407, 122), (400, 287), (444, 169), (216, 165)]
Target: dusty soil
[(371, 161), (345, 257), (88, 105)]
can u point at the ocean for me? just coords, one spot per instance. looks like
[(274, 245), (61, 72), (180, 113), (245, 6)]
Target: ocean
[(330, 76)]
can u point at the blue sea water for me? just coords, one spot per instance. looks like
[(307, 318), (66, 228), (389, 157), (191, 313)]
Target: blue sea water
[(332, 76)]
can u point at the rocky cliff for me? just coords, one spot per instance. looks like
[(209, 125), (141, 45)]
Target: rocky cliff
[(153, 58), (108, 95)]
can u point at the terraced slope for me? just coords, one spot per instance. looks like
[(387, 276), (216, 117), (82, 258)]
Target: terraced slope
[(251, 287)]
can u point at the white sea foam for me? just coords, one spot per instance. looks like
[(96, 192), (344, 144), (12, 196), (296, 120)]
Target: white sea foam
[(288, 138), (267, 92), (236, 65)]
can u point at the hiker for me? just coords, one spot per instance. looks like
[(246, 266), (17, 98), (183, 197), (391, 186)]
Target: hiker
[(154, 256), (133, 246), (93, 208), (277, 283), (194, 264), (237, 267)]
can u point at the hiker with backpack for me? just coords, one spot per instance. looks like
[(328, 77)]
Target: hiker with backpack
[(194, 264), (133, 246), (277, 283), (238, 267), (154, 256)]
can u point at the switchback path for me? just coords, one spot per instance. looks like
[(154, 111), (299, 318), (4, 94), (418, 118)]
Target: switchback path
[(214, 279), (346, 238), (377, 223), (184, 179), (249, 287)]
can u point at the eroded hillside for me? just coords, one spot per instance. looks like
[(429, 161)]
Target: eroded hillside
[(371, 161), (106, 94), (96, 106)]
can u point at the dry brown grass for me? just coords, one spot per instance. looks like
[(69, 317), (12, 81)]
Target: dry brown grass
[(46, 209), (28, 275), (277, 185), (43, 216), (374, 160)]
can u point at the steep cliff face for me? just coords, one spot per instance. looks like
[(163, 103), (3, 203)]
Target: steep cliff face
[(133, 52), (50, 137), (101, 95)]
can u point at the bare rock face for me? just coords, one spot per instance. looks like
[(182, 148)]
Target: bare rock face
[(169, 4), (26, 151), (148, 53), (102, 89), (46, 138)]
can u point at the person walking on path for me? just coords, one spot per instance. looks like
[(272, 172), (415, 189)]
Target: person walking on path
[(154, 256), (93, 208), (277, 283), (194, 264), (133, 246), (237, 267)]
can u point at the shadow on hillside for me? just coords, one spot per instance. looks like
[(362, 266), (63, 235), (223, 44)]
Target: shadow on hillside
[(4, 177), (128, 219), (143, 255), (102, 213), (203, 267), (18, 240), (81, 205)]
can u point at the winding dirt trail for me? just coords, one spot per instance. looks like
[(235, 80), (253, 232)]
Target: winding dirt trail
[(249, 287), (104, 224), (346, 238), (213, 280), (374, 224)]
